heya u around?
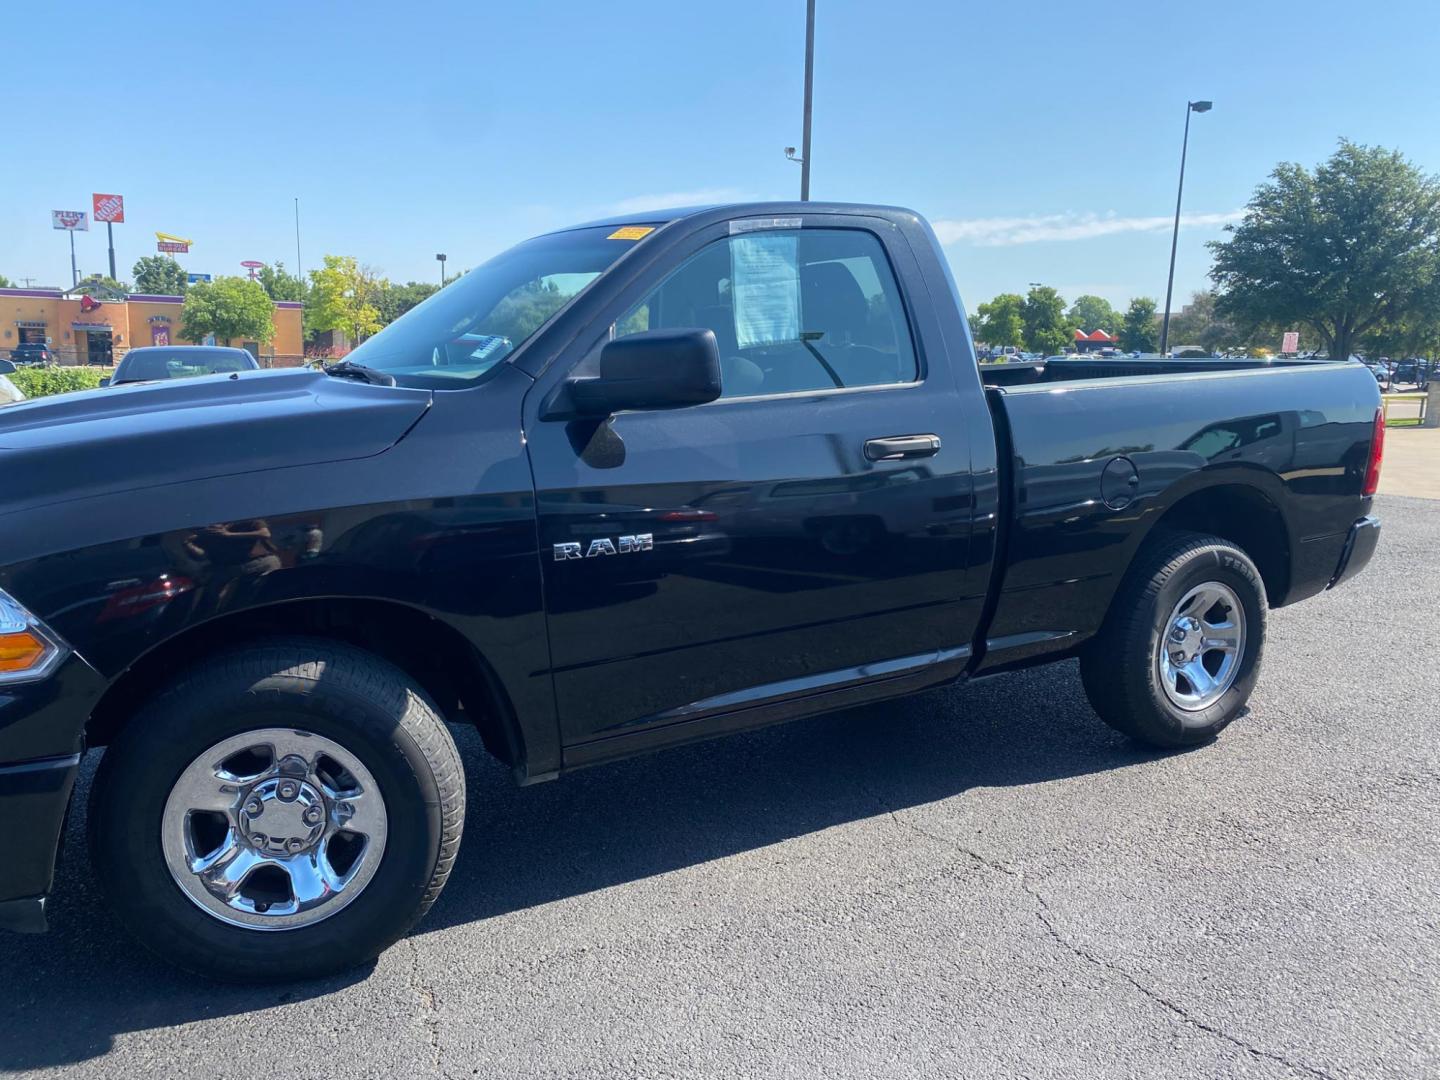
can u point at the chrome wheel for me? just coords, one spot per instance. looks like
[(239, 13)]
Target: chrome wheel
[(274, 829), (1204, 639)]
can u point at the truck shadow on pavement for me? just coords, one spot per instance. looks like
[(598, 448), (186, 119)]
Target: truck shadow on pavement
[(69, 993)]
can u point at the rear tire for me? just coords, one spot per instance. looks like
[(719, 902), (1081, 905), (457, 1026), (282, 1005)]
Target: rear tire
[(1181, 647), (317, 786)]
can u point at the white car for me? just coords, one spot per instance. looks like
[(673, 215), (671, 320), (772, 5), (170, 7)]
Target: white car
[(9, 392)]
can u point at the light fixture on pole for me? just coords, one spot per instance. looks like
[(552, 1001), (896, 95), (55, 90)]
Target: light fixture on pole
[(1190, 106), (441, 260)]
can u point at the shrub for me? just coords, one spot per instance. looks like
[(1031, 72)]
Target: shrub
[(37, 382)]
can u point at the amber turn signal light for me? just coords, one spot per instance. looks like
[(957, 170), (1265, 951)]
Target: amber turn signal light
[(22, 651), (28, 650)]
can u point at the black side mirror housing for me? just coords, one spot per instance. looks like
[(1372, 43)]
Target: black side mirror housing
[(657, 369), (105, 380), (7, 367)]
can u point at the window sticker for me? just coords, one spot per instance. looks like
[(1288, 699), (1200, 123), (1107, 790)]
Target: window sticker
[(631, 232), (765, 289)]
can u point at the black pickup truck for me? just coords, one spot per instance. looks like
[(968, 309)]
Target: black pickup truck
[(624, 486)]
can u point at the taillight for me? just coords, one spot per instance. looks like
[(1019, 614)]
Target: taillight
[(1377, 454)]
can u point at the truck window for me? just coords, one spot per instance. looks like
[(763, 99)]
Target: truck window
[(461, 334), (793, 310)]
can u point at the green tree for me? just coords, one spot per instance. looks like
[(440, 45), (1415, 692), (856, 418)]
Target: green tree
[(342, 297), (106, 288), (1138, 332), (1344, 249), (1202, 322), (279, 284), (1002, 320), (231, 308), (6, 283), (1047, 331), (1094, 313), (1415, 335), (395, 300), (159, 275)]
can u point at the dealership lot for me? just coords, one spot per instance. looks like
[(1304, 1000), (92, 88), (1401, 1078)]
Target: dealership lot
[(978, 881)]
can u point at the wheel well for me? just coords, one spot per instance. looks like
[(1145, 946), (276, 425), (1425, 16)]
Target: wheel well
[(1247, 518), (435, 655)]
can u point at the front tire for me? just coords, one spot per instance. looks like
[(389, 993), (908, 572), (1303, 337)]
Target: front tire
[(284, 811), (1180, 651)]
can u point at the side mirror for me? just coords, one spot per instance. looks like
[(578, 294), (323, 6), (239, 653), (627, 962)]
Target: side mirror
[(7, 367), (658, 369), (105, 380)]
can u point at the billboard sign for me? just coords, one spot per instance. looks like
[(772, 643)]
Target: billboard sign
[(74, 220), (1290, 342), (109, 207), (181, 246), (191, 279)]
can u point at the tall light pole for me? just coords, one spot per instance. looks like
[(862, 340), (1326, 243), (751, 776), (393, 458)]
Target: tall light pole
[(441, 260), (809, 94), (299, 269), (1190, 106)]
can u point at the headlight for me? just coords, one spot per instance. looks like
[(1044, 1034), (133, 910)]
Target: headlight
[(29, 650)]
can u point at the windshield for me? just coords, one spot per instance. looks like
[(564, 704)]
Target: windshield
[(463, 332), (181, 362)]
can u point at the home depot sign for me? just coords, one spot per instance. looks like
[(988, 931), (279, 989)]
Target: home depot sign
[(109, 207)]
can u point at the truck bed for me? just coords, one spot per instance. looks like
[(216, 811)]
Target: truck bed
[(1052, 371), (1090, 465)]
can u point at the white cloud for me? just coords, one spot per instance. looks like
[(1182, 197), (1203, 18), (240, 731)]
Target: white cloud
[(637, 204), (1008, 231)]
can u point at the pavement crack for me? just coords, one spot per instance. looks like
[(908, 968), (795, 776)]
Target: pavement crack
[(429, 1006), (1179, 1011), (1043, 913)]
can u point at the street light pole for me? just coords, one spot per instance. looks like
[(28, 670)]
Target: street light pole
[(441, 260), (1190, 106), (809, 93), (299, 269)]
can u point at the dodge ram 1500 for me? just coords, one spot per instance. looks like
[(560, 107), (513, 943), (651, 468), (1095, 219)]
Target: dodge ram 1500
[(623, 486)]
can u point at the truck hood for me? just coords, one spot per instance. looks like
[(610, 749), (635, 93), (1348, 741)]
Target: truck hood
[(148, 434)]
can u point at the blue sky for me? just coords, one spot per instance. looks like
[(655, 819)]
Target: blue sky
[(1041, 138)]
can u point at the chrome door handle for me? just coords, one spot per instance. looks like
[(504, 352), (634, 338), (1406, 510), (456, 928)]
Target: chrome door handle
[(896, 447)]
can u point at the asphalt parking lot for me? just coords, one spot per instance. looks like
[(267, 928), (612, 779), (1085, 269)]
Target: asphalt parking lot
[(975, 882)]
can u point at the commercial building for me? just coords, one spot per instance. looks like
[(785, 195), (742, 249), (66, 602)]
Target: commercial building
[(1093, 341), (86, 330)]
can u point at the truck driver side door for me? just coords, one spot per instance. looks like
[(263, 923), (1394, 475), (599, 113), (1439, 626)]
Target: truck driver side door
[(806, 533)]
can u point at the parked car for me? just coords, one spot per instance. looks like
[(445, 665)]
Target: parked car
[(155, 362), (1408, 371), (9, 392), (31, 354), (747, 469)]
